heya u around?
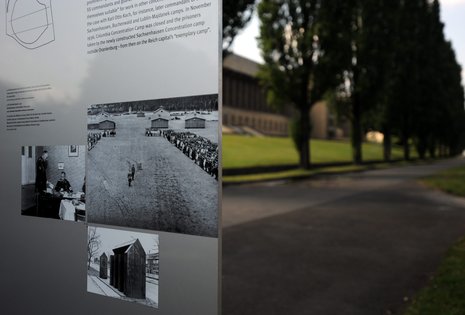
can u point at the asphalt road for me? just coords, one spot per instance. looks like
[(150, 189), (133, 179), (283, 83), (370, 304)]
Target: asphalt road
[(354, 244)]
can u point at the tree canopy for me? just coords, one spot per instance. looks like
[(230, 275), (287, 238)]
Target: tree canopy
[(236, 14), (293, 72), (386, 63)]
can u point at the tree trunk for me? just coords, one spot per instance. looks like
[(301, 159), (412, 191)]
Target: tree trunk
[(406, 143), (422, 147), (432, 149), (305, 138), (356, 135), (387, 144)]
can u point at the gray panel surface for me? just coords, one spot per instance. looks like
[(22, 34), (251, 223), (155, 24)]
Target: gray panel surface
[(43, 265)]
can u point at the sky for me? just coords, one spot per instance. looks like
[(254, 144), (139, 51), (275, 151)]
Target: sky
[(452, 13), (113, 238)]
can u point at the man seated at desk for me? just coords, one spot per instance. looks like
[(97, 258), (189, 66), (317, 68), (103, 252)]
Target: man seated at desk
[(63, 185)]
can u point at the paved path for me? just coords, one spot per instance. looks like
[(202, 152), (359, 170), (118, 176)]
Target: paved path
[(353, 244)]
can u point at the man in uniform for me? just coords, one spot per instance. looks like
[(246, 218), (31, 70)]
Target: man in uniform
[(41, 172), (63, 185)]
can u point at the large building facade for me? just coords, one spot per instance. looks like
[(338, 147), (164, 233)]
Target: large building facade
[(245, 109)]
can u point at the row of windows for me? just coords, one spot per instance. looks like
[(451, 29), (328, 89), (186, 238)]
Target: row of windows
[(243, 92), (26, 151), (261, 124)]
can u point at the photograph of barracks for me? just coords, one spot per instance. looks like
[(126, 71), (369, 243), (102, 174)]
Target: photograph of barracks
[(245, 110), (153, 164)]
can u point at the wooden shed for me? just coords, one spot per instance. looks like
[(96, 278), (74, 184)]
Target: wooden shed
[(195, 123), (93, 126), (107, 125), (160, 119), (128, 269), (160, 123), (103, 266)]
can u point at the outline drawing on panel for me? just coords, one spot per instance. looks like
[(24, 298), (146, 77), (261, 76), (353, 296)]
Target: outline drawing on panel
[(30, 22)]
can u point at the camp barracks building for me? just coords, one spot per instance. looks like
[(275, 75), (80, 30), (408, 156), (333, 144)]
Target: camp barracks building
[(245, 109)]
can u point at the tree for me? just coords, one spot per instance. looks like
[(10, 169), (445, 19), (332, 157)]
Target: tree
[(292, 73), (236, 14), (379, 116), (425, 95), (431, 95), (93, 245), (361, 33), (398, 74)]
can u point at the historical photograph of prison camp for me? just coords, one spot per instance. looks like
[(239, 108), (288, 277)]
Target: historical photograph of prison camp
[(123, 265), (53, 183), (154, 165)]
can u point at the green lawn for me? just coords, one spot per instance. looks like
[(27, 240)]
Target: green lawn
[(245, 151), (451, 181), (300, 173), (445, 294), (291, 174)]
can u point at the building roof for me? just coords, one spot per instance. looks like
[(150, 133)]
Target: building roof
[(106, 120), (161, 113), (153, 256), (195, 116), (126, 247), (241, 65)]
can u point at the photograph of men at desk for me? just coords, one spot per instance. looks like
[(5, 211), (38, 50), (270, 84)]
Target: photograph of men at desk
[(42, 166)]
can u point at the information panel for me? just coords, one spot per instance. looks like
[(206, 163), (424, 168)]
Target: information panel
[(110, 155)]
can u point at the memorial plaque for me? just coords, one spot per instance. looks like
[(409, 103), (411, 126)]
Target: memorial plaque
[(83, 84)]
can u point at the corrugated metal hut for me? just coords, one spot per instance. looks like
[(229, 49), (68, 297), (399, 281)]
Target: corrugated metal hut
[(128, 269)]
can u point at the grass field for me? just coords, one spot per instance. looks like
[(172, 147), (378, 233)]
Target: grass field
[(445, 294), (245, 151), (290, 174), (451, 181)]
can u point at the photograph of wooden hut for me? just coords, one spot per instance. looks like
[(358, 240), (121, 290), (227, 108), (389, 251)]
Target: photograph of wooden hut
[(158, 172), (125, 268), (195, 122), (128, 269), (160, 123)]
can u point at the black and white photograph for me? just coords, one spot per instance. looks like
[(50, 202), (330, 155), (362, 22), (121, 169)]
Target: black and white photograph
[(123, 265), (154, 165), (74, 150), (53, 182)]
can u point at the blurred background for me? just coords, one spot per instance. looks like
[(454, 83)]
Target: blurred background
[(343, 167)]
